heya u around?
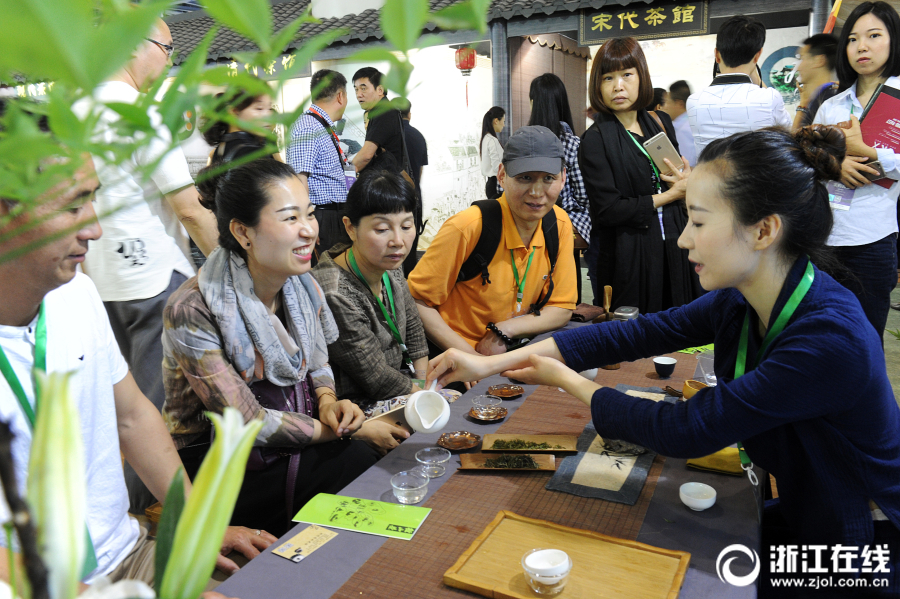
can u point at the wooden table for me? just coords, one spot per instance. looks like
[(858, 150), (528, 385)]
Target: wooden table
[(463, 503)]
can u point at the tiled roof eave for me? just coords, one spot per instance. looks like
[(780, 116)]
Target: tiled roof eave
[(188, 31)]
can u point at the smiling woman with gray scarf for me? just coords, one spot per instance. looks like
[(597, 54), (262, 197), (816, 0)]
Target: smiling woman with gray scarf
[(251, 331)]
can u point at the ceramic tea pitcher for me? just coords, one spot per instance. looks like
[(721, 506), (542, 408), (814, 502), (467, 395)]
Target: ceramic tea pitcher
[(427, 411)]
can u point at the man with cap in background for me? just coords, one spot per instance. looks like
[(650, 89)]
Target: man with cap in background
[(521, 293)]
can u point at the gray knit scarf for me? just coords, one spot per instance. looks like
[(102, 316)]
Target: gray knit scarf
[(245, 324)]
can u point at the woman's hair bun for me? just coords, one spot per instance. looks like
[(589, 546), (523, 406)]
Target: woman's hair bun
[(825, 148), (206, 186)]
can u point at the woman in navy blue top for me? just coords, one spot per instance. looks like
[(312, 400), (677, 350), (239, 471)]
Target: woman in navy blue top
[(813, 405)]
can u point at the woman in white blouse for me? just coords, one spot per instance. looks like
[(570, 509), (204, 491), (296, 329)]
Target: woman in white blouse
[(865, 218), (491, 150)]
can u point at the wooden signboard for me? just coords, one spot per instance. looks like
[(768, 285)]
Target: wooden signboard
[(643, 22)]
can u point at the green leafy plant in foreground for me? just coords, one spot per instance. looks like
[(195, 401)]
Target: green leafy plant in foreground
[(195, 541), (56, 490), (66, 49)]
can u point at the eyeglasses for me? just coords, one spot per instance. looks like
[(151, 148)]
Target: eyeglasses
[(169, 50)]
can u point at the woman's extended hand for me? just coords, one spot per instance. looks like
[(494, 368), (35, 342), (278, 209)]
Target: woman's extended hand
[(343, 417), (544, 371), (852, 169), (454, 365), (381, 436), (553, 373)]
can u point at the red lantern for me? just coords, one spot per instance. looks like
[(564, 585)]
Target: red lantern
[(465, 60)]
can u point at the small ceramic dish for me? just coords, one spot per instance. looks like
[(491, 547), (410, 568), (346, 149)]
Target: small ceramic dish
[(495, 414), (459, 440), (697, 496), (506, 391)]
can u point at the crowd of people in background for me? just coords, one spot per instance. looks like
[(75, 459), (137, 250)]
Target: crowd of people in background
[(313, 312)]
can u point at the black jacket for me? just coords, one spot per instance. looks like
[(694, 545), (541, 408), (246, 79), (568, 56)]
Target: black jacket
[(630, 250)]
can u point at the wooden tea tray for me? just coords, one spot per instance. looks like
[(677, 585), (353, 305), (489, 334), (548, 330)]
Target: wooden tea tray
[(603, 566), (566, 441), (475, 461)]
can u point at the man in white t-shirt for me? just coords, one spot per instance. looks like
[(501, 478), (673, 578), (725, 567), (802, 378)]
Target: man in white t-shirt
[(143, 256), (115, 415), (734, 102)]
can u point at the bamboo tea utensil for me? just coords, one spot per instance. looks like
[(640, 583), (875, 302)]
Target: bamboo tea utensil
[(607, 302)]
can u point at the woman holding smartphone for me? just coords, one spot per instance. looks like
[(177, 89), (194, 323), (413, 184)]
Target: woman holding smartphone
[(802, 382), (865, 219), (637, 213)]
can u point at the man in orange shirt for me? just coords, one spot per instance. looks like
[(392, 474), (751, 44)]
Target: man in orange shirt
[(486, 316)]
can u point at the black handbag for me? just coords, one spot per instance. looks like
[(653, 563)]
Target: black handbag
[(298, 398)]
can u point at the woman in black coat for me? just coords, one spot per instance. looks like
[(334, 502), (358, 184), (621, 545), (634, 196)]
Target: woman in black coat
[(637, 215)]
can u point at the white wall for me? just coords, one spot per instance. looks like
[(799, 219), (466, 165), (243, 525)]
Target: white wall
[(327, 9)]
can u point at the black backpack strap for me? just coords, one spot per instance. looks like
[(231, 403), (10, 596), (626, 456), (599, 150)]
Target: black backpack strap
[(551, 239), (486, 247)]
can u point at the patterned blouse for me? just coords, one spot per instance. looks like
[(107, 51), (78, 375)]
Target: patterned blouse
[(198, 378), (367, 361)]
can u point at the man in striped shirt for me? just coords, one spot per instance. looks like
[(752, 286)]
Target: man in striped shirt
[(316, 155)]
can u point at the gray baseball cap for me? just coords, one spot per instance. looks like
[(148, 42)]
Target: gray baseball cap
[(533, 148)]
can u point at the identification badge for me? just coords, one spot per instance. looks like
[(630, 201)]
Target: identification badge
[(304, 543), (349, 176), (839, 195)]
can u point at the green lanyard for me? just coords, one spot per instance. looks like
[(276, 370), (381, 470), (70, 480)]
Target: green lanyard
[(389, 317), (659, 210), (740, 366), (520, 285), (650, 160), (40, 363)]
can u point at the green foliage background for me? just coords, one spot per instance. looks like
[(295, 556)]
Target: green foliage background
[(71, 46)]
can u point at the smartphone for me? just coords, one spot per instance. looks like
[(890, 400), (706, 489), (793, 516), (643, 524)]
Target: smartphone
[(397, 417), (659, 147), (877, 166)]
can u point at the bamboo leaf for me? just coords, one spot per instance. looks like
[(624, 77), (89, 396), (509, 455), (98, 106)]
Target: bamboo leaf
[(305, 53), (135, 116), (287, 35), (402, 22), (117, 39), (470, 14), (250, 18), (46, 39), (60, 41), (165, 535), (397, 78)]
